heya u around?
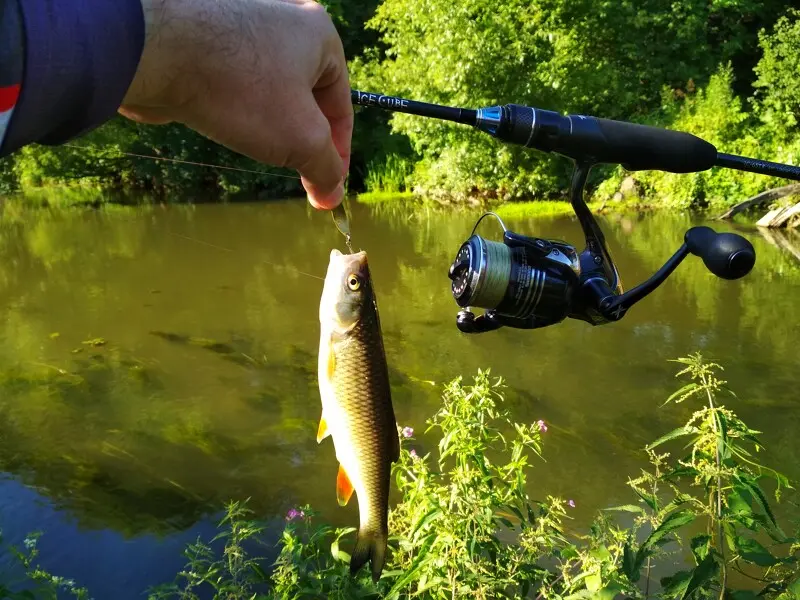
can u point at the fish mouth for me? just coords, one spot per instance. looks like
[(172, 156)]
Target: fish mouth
[(343, 261)]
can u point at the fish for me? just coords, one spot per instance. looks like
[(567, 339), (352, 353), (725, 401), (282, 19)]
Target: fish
[(357, 411)]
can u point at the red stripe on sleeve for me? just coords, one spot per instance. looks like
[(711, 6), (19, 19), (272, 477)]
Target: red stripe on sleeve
[(8, 97)]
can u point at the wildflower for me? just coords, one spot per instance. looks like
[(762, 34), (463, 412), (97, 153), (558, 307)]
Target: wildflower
[(571, 503), (295, 514), (413, 453), (407, 432), (541, 425)]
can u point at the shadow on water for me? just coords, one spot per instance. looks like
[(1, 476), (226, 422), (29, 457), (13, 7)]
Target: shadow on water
[(204, 388)]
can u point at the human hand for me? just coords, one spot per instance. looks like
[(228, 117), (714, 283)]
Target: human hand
[(266, 78)]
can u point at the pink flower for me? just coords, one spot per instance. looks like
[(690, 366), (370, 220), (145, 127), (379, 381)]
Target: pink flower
[(407, 432), (541, 425), (295, 514), (571, 503), (413, 453)]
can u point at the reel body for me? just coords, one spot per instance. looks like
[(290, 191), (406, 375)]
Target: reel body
[(527, 283)]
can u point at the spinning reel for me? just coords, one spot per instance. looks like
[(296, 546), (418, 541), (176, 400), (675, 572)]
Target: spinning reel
[(526, 282)]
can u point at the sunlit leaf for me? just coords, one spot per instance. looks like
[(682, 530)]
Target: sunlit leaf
[(627, 508), (675, 433)]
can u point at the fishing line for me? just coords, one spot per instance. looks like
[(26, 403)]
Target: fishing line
[(492, 287), (274, 265), (189, 162), (213, 166)]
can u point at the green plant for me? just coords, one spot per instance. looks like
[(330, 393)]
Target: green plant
[(776, 86), (466, 526), (37, 582), (235, 575), (388, 175)]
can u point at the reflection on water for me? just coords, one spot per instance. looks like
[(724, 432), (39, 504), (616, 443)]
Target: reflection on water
[(157, 362)]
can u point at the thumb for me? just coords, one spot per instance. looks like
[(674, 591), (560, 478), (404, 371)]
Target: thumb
[(322, 169)]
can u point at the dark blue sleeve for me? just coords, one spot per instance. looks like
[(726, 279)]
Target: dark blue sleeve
[(76, 59)]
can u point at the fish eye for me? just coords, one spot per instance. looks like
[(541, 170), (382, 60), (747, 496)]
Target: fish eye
[(353, 282)]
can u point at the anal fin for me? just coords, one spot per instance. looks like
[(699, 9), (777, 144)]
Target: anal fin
[(344, 488), (322, 430)]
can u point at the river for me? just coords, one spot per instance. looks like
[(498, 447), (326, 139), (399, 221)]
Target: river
[(157, 362)]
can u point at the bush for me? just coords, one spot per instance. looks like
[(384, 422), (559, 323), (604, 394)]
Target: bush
[(466, 526), (777, 91), (716, 114), (607, 58)]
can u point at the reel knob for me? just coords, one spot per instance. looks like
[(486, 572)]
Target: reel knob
[(726, 255)]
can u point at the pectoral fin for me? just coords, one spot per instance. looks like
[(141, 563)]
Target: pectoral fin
[(322, 430), (331, 363), (344, 489)]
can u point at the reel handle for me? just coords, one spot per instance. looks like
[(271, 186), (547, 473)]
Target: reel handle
[(726, 255)]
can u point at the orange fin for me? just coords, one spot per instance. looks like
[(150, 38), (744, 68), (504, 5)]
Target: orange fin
[(322, 430), (344, 489)]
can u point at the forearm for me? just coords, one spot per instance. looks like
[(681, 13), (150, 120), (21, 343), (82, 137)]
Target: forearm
[(79, 59)]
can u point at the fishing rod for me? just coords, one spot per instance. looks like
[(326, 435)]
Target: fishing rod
[(527, 282)]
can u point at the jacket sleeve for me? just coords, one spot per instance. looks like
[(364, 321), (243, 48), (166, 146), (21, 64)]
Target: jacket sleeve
[(65, 66)]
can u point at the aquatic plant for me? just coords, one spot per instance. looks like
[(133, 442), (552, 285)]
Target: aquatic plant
[(466, 525)]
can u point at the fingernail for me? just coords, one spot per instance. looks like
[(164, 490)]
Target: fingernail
[(328, 201)]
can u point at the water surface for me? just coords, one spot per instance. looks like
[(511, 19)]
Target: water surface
[(158, 362)]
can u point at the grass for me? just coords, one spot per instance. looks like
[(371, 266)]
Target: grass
[(382, 197)]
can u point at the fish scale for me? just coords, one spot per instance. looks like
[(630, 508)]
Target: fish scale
[(362, 384), (356, 399)]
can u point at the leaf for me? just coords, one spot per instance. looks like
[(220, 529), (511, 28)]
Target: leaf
[(337, 554), (411, 573), (593, 582), (610, 592), (752, 485), (426, 520), (674, 521), (675, 585), (259, 572), (752, 551), (684, 393), (794, 587), (627, 508), (700, 545), (675, 433), (631, 563), (681, 471), (701, 574), (651, 500)]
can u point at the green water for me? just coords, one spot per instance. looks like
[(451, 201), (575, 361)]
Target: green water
[(202, 385)]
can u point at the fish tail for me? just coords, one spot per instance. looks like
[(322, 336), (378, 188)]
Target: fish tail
[(370, 546)]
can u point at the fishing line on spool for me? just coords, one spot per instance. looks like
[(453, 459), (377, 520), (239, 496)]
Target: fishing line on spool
[(493, 282)]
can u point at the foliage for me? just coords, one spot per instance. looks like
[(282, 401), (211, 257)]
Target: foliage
[(611, 59), (717, 115), (465, 524), (682, 64), (776, 86), (389, 175), (37, 582)]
